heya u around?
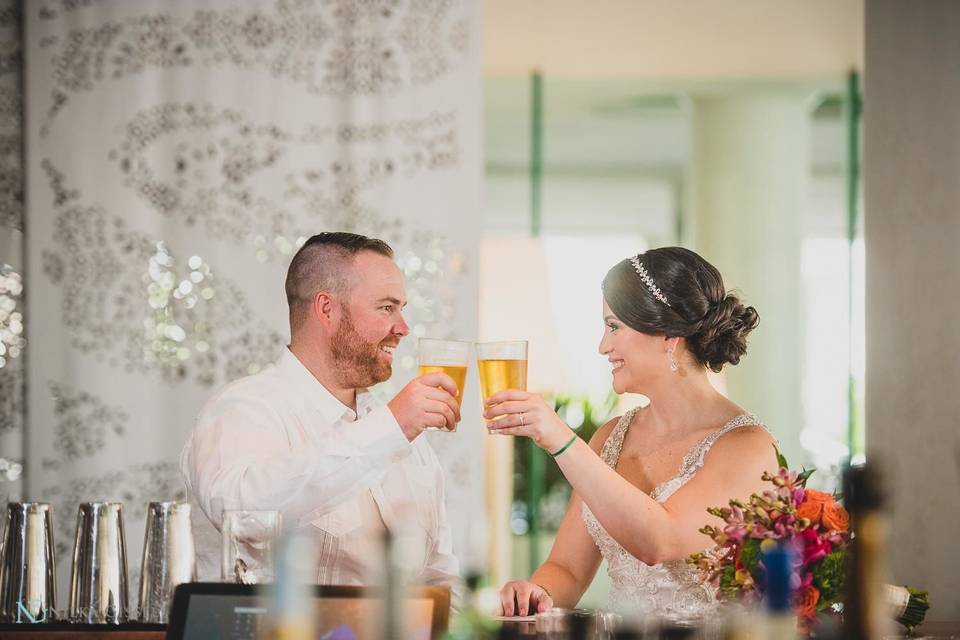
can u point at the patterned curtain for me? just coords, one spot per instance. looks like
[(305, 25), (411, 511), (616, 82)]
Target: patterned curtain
[(12, 340), (177, 153)]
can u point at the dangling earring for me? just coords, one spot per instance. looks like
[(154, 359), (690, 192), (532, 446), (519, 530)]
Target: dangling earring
[(674, 365)]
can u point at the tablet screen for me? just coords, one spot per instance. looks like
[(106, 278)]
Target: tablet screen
[(244, 617)]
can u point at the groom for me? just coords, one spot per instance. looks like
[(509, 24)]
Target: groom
[(306, 438)]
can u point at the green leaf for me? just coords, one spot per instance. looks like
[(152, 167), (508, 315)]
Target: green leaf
[(829, 575), (804, 475), (728, 586), (750, 557), (726, 575), (781, 459)]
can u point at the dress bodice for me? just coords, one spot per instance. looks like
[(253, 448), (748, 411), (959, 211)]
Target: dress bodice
[(672, 588)]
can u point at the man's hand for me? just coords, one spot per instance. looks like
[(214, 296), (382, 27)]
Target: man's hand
[(427, 401)]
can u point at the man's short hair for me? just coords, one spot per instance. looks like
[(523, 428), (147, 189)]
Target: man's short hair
[(322, 264)]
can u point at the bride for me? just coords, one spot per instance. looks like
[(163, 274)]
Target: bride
[(642, 486)]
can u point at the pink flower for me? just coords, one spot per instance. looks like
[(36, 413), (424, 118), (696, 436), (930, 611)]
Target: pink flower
[(781, 529), (813, 548), (735, 532), (836, 538), (789, 477), (760, 532), (798, 495)]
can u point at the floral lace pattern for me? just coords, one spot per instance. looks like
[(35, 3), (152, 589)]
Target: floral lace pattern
[(671, 588)]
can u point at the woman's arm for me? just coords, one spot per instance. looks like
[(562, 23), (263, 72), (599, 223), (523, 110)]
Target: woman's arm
[(648, 530), (571, 566)]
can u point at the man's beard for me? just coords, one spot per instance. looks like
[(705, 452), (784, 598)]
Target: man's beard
[(357, 361)]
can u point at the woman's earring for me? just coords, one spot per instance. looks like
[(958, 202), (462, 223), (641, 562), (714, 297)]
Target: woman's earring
[(674, 365)]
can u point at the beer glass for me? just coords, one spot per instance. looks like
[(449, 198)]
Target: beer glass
[(502, 365), (248, 542), (445, 356)]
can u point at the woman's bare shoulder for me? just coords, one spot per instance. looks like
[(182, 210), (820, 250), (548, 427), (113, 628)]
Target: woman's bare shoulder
[(601, 434), (753, 443)]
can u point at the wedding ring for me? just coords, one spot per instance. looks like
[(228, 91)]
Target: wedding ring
[(521, 418)]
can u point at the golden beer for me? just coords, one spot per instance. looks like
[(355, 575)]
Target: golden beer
[(445, 356), (459, 375), (497, 375), (502, 365)]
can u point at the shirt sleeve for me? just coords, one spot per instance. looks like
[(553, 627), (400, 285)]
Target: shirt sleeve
[(240, 456), (442, 566)]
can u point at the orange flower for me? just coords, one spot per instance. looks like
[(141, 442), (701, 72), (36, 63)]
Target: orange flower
[(806, 602), (812, 495), (811, 510), (835, 517), (813, 505)]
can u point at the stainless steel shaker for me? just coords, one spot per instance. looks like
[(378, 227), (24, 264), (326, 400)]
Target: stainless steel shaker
[(98, 580), (27, 571), (169, 558)]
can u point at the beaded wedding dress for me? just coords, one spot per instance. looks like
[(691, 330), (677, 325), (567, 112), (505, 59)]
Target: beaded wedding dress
[(671, 588)]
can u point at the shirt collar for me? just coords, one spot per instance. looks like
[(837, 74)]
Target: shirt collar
[(316, 396)]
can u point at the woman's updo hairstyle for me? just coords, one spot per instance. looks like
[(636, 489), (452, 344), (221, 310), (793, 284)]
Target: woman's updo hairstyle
[(714, 323)]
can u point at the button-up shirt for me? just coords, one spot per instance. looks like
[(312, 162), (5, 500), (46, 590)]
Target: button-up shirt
[(279, 440)]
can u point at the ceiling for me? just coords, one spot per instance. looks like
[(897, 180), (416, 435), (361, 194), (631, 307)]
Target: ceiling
[(673, 39)]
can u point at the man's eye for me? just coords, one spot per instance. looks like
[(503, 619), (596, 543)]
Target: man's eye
[(388, 308)]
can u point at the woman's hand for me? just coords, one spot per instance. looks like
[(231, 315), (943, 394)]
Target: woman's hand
[(522, 598), (526, 414)]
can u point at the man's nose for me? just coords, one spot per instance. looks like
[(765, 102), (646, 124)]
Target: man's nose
[(401, 328)]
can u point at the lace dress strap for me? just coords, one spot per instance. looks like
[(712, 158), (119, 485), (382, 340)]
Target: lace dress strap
[(610, 453), (694, 459)]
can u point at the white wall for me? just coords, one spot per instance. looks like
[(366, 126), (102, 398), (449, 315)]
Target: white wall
[(912, 161)]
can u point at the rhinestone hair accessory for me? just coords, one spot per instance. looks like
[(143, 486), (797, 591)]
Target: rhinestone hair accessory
[(647, 280)]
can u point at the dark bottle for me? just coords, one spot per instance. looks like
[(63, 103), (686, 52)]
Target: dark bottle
[(865, 616)]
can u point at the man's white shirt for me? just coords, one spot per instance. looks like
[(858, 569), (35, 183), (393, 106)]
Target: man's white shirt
[(279, 440)]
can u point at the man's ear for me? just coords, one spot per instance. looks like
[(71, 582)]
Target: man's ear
[(325, 308)]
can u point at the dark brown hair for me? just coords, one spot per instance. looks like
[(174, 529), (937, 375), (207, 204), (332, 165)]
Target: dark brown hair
[(322, 264), (714, 322)]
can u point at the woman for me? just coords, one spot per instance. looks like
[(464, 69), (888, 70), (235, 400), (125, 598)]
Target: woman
[(642, 485)]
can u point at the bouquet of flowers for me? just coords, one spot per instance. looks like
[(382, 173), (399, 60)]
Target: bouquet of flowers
[(812, 521)]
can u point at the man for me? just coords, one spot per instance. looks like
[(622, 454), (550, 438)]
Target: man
[(304, 437)]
